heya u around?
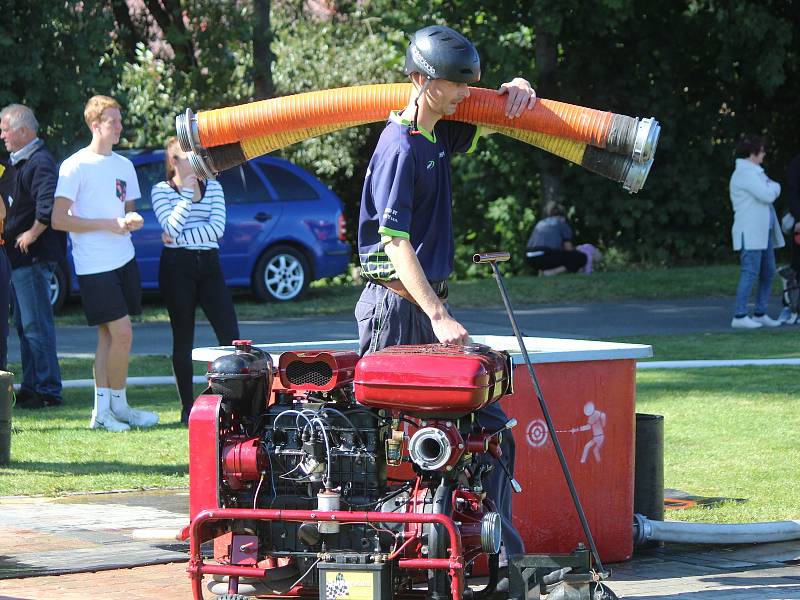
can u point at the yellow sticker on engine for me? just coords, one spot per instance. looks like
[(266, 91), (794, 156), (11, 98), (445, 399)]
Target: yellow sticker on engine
[(348, 585)]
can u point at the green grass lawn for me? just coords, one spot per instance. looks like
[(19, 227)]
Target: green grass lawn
[(766, 343), (321, 299), (728, 431)]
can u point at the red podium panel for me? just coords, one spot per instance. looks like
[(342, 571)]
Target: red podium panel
[(592, 405)]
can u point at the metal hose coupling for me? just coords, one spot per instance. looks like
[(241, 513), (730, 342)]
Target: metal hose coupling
[(636, 176), (187, 132), (642, 531), (491, 532), (201, 166), (633, 137), (616, 167), (644, 144), (429, 448)]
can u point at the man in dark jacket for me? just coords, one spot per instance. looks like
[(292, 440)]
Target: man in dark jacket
[(6, 176), (33, 249)]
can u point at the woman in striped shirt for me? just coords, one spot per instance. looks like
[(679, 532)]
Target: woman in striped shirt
[(192, 218)]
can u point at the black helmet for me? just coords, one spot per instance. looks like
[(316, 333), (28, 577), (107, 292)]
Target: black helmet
[(439, 52)]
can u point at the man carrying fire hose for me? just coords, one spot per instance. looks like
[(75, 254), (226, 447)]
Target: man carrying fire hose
[(405, 238)]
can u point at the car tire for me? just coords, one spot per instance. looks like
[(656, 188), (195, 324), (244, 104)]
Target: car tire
[(282, 274), (59, 288)]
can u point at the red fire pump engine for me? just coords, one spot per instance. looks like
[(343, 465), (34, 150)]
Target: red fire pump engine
[(353, 479)]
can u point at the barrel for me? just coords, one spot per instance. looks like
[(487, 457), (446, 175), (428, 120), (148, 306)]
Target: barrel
[(6, 401), (648, 487)]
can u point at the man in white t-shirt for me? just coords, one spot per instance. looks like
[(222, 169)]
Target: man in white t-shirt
[(95, 198)]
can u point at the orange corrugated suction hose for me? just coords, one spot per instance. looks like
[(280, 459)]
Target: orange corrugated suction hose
[(616, 167), (327, 108), (368, 103)]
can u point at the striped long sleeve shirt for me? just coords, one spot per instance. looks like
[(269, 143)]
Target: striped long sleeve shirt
[(194, 225)]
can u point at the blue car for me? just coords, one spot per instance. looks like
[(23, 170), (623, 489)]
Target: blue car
[(284, 229)]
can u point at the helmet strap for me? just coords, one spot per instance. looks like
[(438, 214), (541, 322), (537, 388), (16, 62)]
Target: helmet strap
[(414, 128)]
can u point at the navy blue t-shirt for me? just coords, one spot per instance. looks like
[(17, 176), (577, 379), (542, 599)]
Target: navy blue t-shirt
[(407, 194)]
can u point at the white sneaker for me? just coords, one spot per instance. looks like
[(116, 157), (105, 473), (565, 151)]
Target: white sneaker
[(135, 417), (745, 323), (105, 420), (767, 321), (786, 315)]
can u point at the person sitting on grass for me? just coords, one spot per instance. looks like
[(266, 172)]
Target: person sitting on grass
[(550, 249)]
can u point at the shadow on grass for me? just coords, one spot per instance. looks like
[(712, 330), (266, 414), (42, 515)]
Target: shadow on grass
[(96, 467), (732, 380), (37, 428)]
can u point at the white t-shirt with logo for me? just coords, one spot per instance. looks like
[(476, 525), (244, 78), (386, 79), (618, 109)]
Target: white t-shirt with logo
[(98, 186)]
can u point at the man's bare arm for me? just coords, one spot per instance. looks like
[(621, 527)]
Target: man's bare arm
[(63, 221), (408, 269)]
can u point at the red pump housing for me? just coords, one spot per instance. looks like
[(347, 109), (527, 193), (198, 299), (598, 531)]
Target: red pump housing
[(433, 380)]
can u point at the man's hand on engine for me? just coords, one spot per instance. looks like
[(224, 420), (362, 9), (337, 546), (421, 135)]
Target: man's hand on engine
[(449, 331)]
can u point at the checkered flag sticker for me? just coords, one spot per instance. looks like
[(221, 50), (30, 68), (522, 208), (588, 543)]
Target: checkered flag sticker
[(337, 588)]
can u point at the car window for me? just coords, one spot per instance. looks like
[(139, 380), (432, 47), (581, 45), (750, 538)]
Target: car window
[(242, 186), (148, 175), (288, 185)]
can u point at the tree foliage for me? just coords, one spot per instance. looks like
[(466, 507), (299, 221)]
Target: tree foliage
[(708, 70), (53, 54)]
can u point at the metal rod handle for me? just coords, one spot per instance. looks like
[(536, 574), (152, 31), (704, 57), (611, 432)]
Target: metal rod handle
[(490, 257), (545, 412)]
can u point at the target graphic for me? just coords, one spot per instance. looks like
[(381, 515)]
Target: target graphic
[(536, 433)]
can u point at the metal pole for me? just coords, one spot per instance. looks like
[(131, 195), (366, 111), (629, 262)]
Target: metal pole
[(493, 258)]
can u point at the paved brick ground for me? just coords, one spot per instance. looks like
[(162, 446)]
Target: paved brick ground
[(141, 583), (42, 537), (689, 576)]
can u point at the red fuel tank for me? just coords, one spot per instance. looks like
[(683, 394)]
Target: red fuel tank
[(433, 380)]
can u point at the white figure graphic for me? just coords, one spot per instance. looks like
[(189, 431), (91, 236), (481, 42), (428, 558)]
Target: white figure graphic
[(596, 422)]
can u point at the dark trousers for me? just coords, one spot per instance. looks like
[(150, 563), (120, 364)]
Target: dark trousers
[(385, 319), (547, 258), (191, 278)]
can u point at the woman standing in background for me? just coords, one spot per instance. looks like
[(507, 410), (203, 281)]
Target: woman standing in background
[(191, 214), (755, 231)]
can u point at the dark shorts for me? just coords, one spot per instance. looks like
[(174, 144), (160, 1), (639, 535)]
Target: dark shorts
[(111, 295), (385, 319)]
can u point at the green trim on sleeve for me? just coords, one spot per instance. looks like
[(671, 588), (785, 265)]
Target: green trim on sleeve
[(474, 144), (390, 233)]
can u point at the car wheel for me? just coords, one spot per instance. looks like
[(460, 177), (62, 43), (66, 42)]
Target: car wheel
[(59, 288), (281, 274)]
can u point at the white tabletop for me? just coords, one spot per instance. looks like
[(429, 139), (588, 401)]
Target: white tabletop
[(540, 350)]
